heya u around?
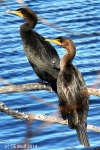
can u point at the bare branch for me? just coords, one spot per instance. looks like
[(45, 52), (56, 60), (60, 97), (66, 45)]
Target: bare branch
[(13, 113), (24, 87), (37, 86), (95, 92), (52, 119), (45, 21)]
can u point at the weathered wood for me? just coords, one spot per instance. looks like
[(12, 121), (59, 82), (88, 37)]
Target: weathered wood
[(52, 119)]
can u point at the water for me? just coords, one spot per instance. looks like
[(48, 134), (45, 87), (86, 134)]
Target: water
[(82, 19)]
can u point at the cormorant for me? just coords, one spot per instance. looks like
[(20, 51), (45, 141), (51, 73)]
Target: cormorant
[(72, 91), (41, 54)]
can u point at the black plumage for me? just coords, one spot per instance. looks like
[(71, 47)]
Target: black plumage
[(41, 54), (72, 91)]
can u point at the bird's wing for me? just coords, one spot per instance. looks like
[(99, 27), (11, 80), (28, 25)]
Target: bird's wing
[(44, 66)]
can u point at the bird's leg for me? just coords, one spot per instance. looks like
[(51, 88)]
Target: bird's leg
[(41, 81), (44, 83)]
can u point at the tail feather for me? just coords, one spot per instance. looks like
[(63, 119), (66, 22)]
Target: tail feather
[(54, 85), (82, 135)]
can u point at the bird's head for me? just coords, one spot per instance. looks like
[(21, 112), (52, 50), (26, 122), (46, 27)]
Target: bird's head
[(25, 13), (64, 42), (67, 44)]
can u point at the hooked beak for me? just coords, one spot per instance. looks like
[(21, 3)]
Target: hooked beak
[(56, 41), (15, 12)]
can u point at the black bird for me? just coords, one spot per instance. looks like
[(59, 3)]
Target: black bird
[(41, 54), (72, 91)]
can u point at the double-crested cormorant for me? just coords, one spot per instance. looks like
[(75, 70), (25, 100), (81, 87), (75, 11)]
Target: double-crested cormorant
[(72, 91), (41, 54)]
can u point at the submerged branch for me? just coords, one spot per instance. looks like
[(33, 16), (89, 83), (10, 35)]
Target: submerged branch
[(37, 86), (52, 119)]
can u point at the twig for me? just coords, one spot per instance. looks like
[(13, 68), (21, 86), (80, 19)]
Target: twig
[(20, 115), (21, 2)]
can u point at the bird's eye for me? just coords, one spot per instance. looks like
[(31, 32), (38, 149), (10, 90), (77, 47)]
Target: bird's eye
[(53, 62), (20, 11)]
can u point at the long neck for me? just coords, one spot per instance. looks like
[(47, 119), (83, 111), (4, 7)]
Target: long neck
[(67, 58), (63, 62), (30, 24)]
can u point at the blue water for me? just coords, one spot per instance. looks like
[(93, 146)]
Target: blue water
[(82, 19)]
